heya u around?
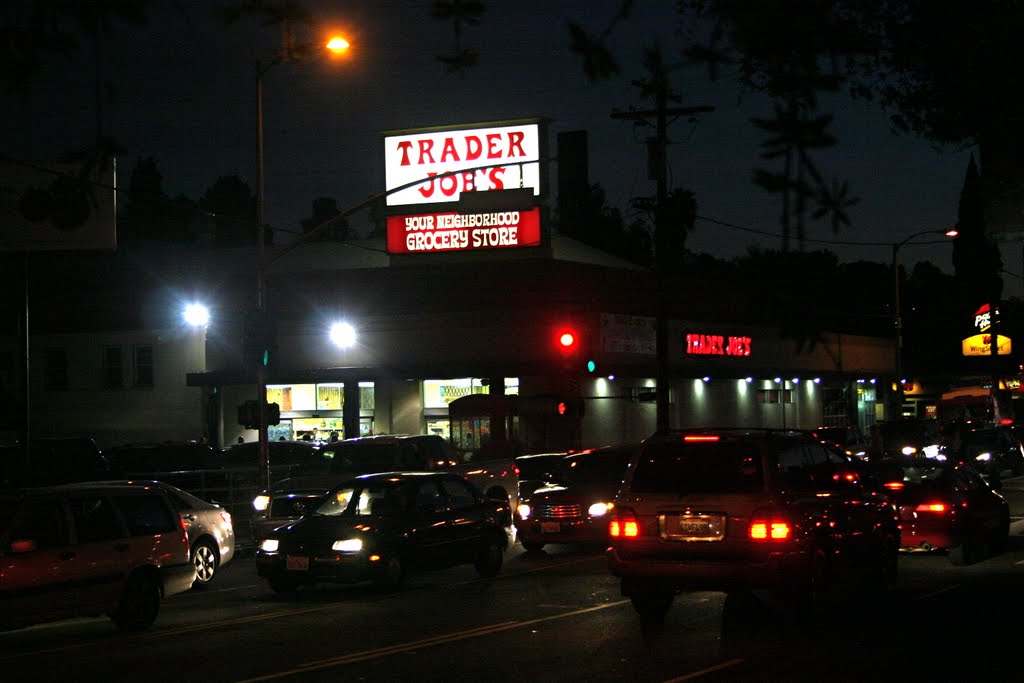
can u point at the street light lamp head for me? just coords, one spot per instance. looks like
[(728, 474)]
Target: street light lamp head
[(196, 315), (343, 335), (338, 45)]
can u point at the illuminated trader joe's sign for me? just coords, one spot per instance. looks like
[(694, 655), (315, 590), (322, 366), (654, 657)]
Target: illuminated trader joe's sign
[(498, 157), (717, 345), (463, 231)]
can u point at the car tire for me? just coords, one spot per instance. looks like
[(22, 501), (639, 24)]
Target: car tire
[(963, 554), (283, 586), (390, 576), (1001, 537), (652, 606), (139, 604), (532, 546), (207, 562), (489, 558)]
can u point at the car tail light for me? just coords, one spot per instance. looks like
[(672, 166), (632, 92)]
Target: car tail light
[(931, 507), (893, 485), (624, 525), (764, 526), (694, 438)]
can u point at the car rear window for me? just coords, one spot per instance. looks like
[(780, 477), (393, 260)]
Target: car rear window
[(682, 468), (146, 514)]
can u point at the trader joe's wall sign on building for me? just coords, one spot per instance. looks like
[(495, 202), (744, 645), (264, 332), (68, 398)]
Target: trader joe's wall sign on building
[(438, 167)]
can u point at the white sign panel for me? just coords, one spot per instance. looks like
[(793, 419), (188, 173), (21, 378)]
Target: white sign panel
[(628, 334), (482, 159)]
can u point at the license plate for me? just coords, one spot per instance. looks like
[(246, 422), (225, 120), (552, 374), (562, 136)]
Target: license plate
[(550, 527), (701, 526), (296, 563)]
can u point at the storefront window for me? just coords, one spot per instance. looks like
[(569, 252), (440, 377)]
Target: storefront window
[(292, 397), (330, 396), (366, 399)]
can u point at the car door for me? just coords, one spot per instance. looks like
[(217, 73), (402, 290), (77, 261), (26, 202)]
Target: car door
[(103, 549), (430, 533), (38, 581), (464, 519), (985, 507)]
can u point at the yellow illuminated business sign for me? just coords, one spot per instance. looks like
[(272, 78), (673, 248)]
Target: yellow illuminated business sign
[(981, 344)]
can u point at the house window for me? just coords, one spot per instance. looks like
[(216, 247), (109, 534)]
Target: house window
[(56, 368), (113, 370), (143, 368)]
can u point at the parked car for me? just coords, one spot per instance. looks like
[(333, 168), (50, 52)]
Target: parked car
[(90, 549), (993, 450), (947, 506), (211, 532), (378, 526), (284, 457), (739, 510), (909, 438), (849, 439), (289, 498), (134, 460), (536, 470), (574, 508), (52, 461)]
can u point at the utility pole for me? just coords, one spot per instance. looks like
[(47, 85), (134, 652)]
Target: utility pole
[(658, 86)]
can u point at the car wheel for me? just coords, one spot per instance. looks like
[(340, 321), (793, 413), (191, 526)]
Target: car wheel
[(283, 586), (532, 546), (963, 554), (139, 604), (652, 607), (390, 574), (1001, 536), (207, 560), (489, 558)]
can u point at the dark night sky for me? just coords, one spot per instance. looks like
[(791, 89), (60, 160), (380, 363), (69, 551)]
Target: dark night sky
[(185, 95)]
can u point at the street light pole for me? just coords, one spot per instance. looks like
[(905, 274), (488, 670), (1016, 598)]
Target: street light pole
[(288, 52), (898, 397)]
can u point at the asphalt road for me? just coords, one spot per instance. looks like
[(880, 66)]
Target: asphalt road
[(552, 616)]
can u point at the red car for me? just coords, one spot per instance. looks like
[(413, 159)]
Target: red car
[(947, 506)]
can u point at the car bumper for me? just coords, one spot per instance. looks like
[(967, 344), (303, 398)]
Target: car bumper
[(761, 571), (177, 578), (334, 568), (562, 531)]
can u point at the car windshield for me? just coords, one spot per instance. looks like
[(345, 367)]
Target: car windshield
[(681, 468), (538, 467), (375, 499)]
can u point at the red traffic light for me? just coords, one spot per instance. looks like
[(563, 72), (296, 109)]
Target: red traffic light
[(567, 340), (561, 408)]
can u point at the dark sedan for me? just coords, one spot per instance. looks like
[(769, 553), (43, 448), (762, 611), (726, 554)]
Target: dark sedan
[(947, 506), (574, 509), (377, 526)]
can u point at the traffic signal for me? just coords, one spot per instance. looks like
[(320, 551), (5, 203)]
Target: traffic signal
[(574, 349), (273, 414), (259, 338), (249, 414)]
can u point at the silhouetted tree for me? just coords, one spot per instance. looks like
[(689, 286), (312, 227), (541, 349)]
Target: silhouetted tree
[(233, 206), (148, 214), (976, 258), (324, 209), (460, 13)]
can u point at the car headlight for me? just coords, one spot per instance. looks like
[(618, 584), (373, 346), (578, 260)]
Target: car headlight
[(261, 502), (600, 509), (270, 545), (984, 457), (524, 511), (909, 450), (349, 545)]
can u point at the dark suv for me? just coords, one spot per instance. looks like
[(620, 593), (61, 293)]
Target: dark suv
[(737, 510)]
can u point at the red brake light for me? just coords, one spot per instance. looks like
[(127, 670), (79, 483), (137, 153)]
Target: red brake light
[(893, 485), (765, 527), (624, 525), (693, 438), (931, 507)]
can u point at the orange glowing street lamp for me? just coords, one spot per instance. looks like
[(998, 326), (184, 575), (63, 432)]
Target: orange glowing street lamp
[(337, 45)]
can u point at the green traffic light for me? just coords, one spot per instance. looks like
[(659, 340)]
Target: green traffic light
[(591, 366), (266, 357)]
